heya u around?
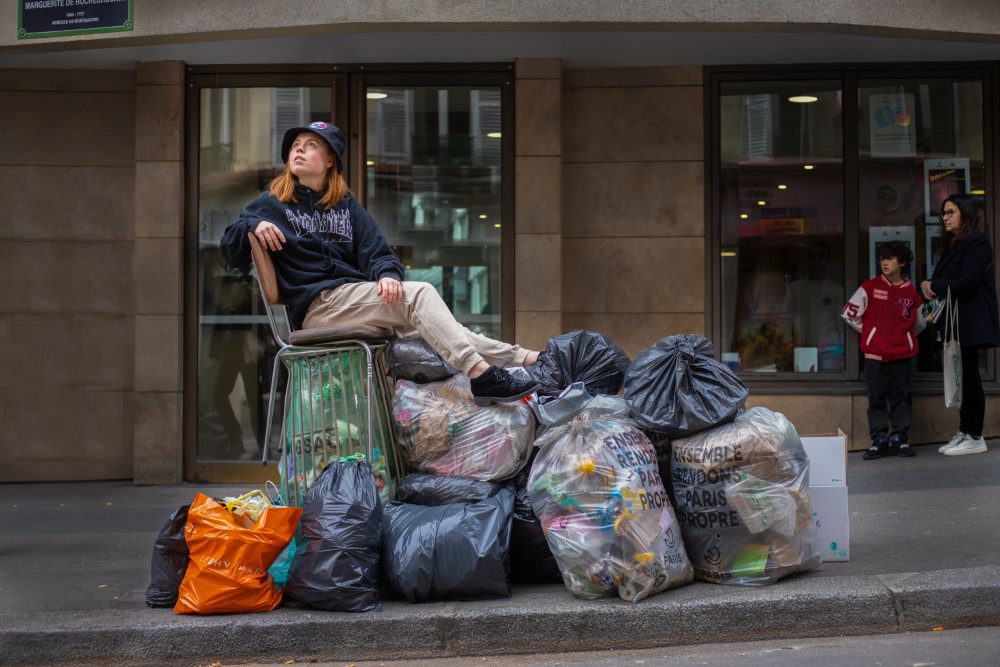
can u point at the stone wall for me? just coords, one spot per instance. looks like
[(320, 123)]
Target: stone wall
[(633, 219), (66, 303)]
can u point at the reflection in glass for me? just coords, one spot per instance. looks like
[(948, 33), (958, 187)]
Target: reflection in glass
[(239, 153), (433, 185), (919, 141), (782, 226)]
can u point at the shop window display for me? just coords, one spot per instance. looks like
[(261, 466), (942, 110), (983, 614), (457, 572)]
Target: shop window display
[(782, 220), (782, 226)]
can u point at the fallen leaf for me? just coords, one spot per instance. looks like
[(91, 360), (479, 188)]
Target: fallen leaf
[(937, 629), (102, 585)]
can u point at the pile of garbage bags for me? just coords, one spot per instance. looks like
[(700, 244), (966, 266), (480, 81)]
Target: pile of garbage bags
[(618, 478)]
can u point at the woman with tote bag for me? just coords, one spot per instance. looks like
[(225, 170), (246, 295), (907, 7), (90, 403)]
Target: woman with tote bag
[(966, 270)]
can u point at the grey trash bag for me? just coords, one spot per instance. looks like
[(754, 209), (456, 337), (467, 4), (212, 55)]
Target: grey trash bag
[(414, 359), (457, 551), (580, 356), (531, 560), (169, 561), (420, 488), (677, 388), (336, 567)]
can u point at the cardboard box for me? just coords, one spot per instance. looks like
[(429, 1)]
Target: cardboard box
[(827, 458), (832, 520)]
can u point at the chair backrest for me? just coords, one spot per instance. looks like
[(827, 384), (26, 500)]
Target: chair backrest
[(265, 271), (267, 279)]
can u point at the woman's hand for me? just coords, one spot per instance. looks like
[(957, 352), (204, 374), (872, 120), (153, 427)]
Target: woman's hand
[(269, 235), (925, 287), (391, 290)]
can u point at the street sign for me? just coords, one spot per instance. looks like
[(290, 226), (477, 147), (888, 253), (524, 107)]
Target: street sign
[(57, 18)]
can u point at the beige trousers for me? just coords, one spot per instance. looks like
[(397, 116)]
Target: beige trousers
[(421, 310)]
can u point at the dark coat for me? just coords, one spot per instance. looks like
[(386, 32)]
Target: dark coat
[(324, 248), (967, 268)]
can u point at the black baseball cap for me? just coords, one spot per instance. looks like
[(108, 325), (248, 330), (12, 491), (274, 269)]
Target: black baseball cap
[(331, 133)]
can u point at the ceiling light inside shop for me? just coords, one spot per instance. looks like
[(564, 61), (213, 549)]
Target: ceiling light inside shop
[(808, 167), (978, 191), (762, 203), (496, 225), (782, 186), (744, 216), (482, 216), (803, 99), (727, 253), (370, 163), (493, 135), (372, 95)]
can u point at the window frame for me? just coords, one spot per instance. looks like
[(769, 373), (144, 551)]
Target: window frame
[(346, 84), (852, 76)]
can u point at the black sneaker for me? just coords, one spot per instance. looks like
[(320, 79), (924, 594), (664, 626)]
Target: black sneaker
[(901, 447), (496, 385), (876, 451)]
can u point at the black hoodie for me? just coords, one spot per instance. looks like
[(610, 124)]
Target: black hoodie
[(324, 248)]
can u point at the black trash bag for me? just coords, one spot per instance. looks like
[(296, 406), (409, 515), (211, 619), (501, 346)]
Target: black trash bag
[(676, 388), (458, 551), (424, 489), (337, 565), (169, 561), (413, 359), (580, 356), (531, 561)]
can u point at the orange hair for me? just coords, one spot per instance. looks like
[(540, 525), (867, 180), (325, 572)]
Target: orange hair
[(334, 187)]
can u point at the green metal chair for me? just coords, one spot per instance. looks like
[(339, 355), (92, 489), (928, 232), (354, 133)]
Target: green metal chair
[(337, 397)]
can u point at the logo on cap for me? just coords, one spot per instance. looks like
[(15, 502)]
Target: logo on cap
[(318, 125)]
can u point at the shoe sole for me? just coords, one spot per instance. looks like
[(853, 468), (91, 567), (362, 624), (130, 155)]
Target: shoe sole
[(483, 401), (946, 446), (955, 452)]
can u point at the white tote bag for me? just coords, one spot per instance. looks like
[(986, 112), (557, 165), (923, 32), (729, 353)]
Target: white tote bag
[(952, 358)]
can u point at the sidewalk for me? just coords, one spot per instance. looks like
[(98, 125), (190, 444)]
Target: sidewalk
[(74, 566)]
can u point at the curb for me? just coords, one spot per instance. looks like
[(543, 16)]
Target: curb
[(537, 619)]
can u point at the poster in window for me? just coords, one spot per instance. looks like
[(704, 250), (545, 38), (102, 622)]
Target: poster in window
[(935, 241), (945, 177), (892, 131), (877, 236)]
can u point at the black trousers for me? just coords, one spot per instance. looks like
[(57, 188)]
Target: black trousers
[(973, 409), (890, 401)]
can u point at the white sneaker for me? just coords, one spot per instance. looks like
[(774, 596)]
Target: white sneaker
[(955, 439), (968, 446)]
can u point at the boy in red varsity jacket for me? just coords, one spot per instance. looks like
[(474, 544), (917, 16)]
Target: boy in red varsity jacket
[(887, 311)]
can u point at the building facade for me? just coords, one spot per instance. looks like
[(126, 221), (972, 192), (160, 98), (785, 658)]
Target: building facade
[(640, 171)]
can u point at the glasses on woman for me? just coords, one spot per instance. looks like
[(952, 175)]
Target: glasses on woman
[(948, 212)]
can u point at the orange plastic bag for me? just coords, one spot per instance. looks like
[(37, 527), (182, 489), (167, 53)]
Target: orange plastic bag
[(227, 573)]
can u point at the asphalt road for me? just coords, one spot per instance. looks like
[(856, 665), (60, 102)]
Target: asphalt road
[(973, 647)]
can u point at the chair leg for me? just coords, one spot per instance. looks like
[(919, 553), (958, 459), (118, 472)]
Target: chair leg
[(270, 406)]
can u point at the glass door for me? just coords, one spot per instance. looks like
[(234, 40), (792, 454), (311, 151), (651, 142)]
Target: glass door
[(433, 182), (425, 156), (239, 152)]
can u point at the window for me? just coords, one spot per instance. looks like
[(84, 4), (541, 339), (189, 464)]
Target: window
[(810, 174), (782, 226), (433, 181), (425, 156)]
